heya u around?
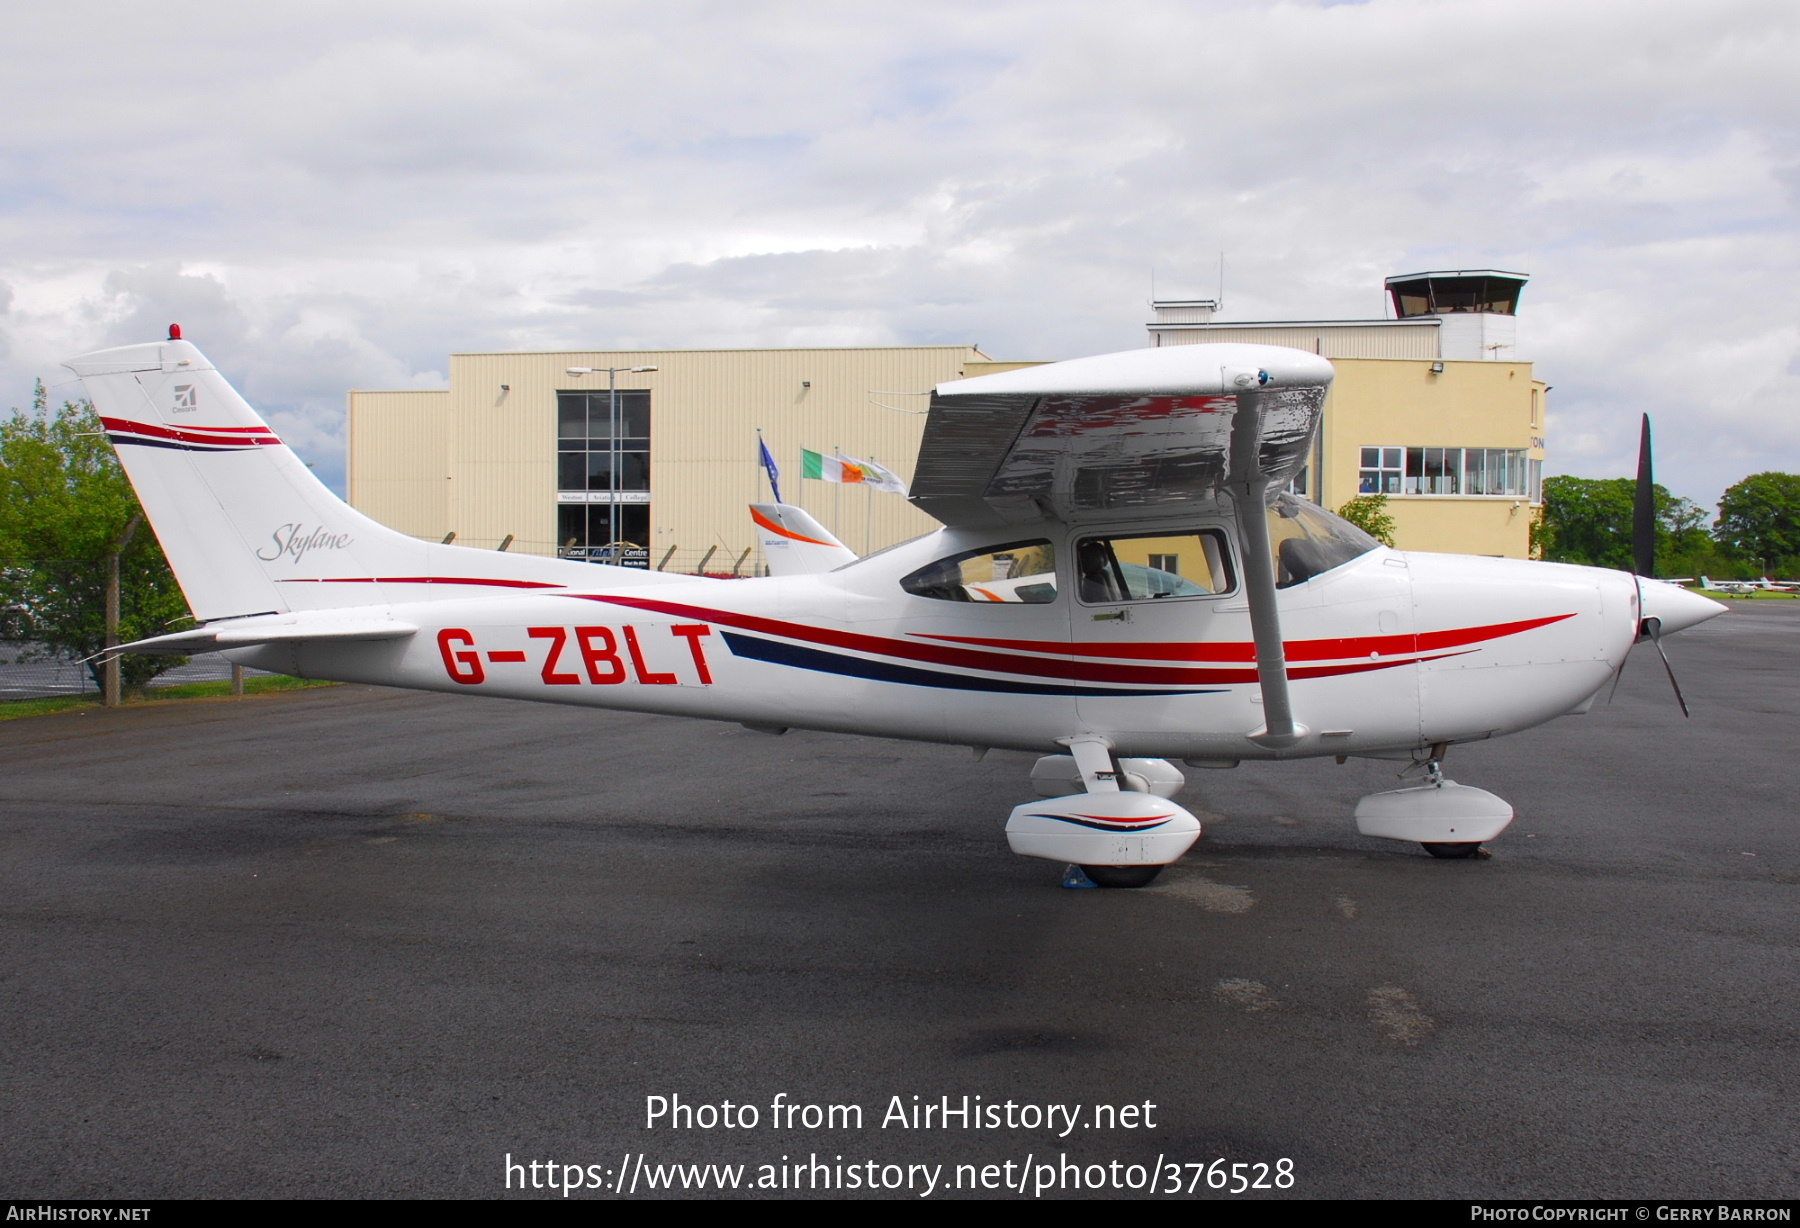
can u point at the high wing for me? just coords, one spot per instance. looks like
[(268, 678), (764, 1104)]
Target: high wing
[(1164, 429), (1115, 434)]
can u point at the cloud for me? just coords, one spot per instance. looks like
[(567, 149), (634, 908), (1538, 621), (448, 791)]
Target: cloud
[(339, 195)]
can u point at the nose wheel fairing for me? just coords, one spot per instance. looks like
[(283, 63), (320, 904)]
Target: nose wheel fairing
[(1443, 812)]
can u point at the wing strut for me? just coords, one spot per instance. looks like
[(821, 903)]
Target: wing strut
[(1249, 487)]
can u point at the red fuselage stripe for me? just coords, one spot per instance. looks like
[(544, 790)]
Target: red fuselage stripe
[(963, 658), (424, 580), (1297, 650)]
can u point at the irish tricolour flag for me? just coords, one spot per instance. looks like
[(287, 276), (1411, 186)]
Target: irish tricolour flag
[(849, 470)]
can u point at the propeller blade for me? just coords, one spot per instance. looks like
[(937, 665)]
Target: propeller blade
[(1655, 627), (1620, 672), (1643, 510)]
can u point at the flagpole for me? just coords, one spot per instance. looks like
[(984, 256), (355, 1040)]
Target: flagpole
[(837, 526), (868, 510)]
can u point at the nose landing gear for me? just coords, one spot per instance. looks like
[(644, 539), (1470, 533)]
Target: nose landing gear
[(1448, 819)]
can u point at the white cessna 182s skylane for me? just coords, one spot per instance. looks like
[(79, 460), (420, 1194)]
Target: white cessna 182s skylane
[(1118, 583)]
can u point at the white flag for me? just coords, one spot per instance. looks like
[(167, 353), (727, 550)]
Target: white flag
[(876, 475)]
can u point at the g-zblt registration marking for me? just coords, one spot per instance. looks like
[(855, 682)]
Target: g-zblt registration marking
[(596, 648)]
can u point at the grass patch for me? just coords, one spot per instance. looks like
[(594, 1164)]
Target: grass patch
[(252, 686), (1758, 595), (16, 708)]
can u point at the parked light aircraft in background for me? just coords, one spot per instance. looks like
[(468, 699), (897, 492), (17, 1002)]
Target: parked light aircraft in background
[(1730, 588), (1118, 583), (1747, 588)]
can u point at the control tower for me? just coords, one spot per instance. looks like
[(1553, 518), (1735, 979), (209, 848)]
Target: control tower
[(1476, 309), (1432, 407), (1454, 315)]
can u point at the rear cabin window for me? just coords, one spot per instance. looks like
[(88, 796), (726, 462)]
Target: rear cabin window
[(1023, 573), (1153, 567)]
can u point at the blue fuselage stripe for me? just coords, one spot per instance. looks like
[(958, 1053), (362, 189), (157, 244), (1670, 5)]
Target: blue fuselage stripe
[(756, 648)]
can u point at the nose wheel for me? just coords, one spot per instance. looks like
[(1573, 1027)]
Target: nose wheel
[(1446, 819), (1454, 852), (1121, 876)]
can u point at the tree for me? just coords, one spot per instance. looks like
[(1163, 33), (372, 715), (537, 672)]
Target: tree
[(64, 506), (1588, 520), (1760, 518), (1369, 513)]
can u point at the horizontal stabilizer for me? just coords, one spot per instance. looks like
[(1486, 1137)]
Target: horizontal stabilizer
[(794, 544), (252, 633)]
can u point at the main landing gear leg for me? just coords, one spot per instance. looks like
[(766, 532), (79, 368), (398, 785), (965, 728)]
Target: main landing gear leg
[(1118, 837), (1100, 774)]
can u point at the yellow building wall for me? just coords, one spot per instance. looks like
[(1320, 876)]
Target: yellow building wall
[(398, 459), (480, 459), (498, 468), (1392, 339), (1399, 403)]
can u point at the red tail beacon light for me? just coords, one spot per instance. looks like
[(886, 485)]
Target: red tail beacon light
[(174, 332)]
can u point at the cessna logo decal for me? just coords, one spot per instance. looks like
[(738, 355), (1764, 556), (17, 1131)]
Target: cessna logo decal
[(187, 398), (294, 540)]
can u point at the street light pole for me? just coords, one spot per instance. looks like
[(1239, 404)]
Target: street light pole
[(612, 468)]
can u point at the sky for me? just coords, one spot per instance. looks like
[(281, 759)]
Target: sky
[(336, 195)]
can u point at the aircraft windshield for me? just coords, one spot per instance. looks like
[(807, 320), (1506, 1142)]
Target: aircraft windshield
[(1309, 541)]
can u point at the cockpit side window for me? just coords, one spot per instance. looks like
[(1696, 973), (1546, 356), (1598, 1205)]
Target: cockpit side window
[(1153, 566), (1022, 573)]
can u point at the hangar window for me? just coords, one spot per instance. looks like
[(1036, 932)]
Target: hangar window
[(600, 516), (585, 445), (1153, 566), (1022, 573)]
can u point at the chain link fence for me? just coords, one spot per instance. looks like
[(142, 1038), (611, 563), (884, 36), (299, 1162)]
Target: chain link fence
[(28, 672), (721, 562)]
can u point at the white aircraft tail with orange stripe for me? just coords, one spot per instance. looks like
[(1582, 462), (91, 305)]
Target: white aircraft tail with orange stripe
[(794, 544), (246, 526)]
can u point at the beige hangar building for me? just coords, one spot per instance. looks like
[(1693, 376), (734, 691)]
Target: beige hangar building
[(1432, 408)]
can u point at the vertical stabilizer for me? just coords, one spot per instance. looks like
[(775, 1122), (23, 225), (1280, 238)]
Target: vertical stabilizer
[(246, 526), (794, 544)]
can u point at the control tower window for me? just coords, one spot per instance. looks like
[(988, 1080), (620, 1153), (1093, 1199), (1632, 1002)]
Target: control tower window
[(1434, 294)]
